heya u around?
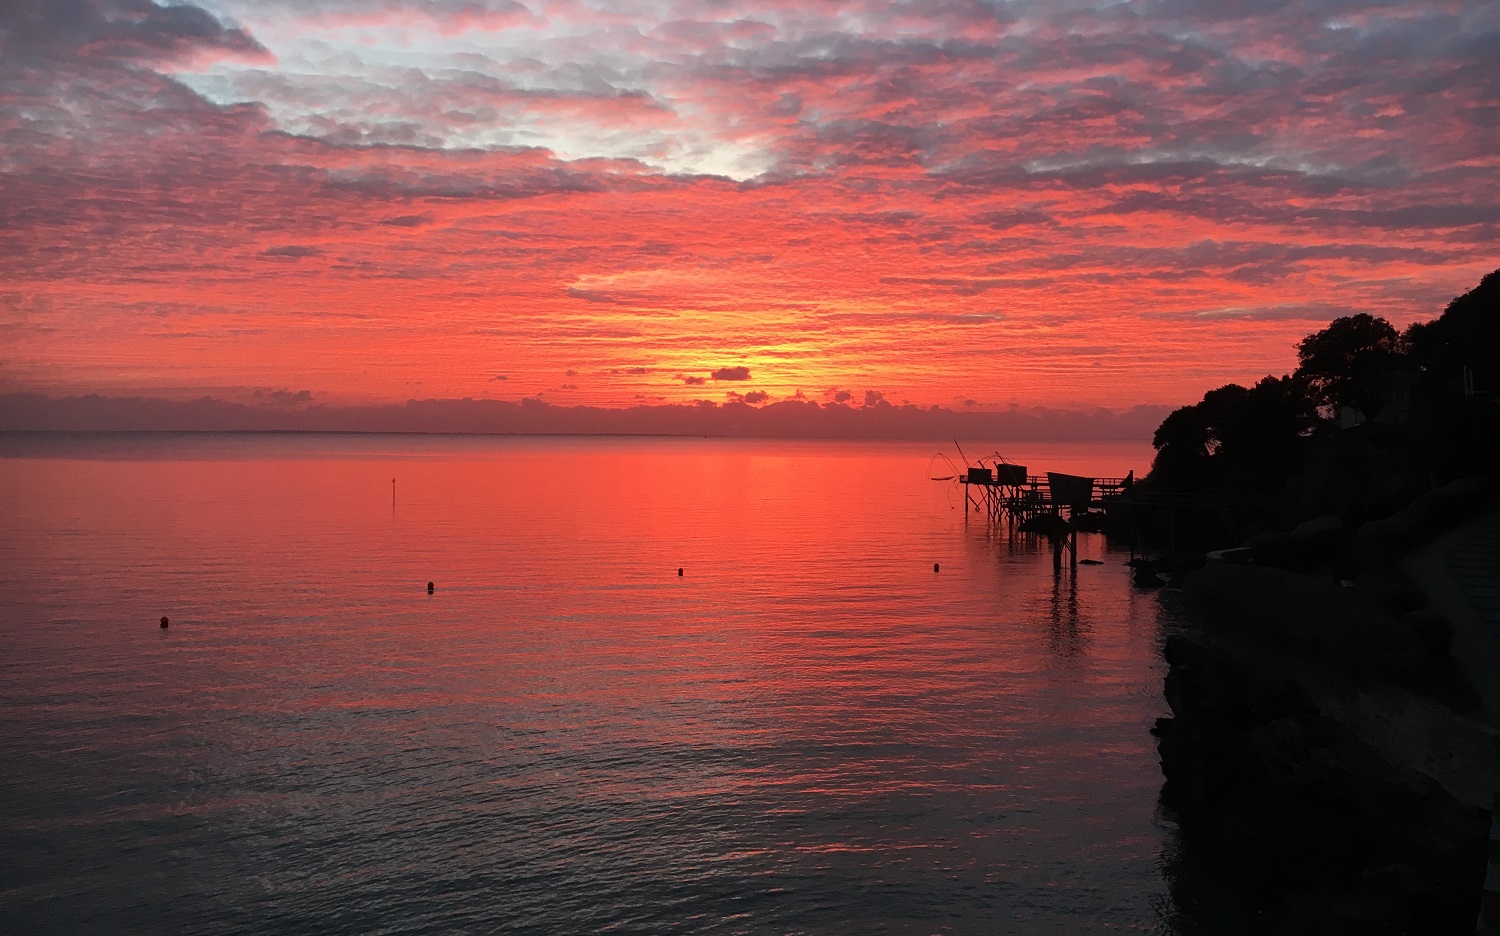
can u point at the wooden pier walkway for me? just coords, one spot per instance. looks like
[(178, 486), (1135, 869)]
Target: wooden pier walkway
[(1052, 504), (1058, 505), (1008, 491)]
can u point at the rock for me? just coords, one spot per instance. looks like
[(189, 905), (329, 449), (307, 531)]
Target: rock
[(1279, 550), (1376, 576), (1238, 555), (1341, 626), (1333, 838), (1443, 505), (1433, 629), (1145, 576), (1392, 589), (1381, 542), (1376, 543), (1321, 534), (1179, 650), (1399, 599), (1308, 544), (1455, 501), (1474, 490)]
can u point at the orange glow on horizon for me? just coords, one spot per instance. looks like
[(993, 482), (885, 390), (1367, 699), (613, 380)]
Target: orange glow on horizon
[(922, 224)]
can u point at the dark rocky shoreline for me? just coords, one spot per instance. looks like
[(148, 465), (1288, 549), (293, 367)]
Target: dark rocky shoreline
[(1329, 837), (1328, 751), (1336, 722)]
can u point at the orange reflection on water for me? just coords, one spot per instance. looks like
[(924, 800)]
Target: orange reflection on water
[(809, 706)]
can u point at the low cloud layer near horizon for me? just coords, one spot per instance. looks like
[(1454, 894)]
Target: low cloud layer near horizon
[(877, 419), (1064, 204)]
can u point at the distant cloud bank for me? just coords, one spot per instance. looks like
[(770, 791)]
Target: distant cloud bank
[(30, 412)]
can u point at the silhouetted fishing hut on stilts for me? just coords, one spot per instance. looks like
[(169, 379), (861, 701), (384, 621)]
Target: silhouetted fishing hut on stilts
[(1058, 505), (1055, 505)]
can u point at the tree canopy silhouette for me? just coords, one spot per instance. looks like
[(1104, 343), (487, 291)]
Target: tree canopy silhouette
[(1345, 364), (1236, 436), (1467, 334), (1256, 439)]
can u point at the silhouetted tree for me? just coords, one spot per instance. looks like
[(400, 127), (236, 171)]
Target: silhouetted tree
[(1346, 363), (1256, 439), (1467, 334), (1184, 443), (1459, 433), (1262, 433), (1234, 437)]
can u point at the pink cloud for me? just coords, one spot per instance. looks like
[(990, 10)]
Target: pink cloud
[(1097, 208)]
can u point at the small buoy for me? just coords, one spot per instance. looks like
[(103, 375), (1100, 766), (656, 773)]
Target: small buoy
[(934, 567), (163, 622), (430, 587), (679, 571)]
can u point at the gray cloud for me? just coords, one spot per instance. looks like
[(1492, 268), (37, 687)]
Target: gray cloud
[(292, 251), (73, 32), (408, 221)]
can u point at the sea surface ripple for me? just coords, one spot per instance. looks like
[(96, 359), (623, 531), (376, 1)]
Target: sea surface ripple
[(809, 731)]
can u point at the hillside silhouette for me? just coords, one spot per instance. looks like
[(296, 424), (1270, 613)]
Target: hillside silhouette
[(1371, 418)]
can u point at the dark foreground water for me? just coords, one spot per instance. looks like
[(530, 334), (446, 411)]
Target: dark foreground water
[(808, 731)]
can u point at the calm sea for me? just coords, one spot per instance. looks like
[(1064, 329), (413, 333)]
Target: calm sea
[(808, 731)]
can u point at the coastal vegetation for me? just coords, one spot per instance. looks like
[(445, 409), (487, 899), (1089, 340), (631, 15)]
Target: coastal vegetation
[(1370, 417), (1327, 736)]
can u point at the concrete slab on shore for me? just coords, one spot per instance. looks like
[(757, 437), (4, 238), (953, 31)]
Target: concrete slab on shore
[(1460, 572)]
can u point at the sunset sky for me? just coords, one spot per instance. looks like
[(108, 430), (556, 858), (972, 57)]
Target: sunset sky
[(963, 204)]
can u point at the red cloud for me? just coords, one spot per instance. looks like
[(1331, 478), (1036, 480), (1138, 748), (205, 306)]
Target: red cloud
[(1102, 208)]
